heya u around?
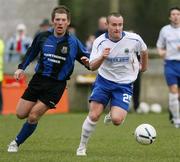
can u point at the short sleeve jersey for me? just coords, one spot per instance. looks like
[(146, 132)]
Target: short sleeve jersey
[(122, 65), (169, 39)]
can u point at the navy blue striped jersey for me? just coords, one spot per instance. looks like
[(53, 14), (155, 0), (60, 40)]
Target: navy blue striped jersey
[(56, 55)]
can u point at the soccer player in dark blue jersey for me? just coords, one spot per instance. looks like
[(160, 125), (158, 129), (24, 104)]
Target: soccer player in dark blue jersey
[(57, 52)]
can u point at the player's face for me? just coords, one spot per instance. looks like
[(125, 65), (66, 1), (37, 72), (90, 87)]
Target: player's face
[(175, 17), (60, 23), (115, 27)]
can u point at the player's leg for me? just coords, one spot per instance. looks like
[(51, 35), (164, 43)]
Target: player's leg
[(172, 73), (22, 110), (29, 126), (174, 104), (98, 100), (89, 126), (120, 101), (118, 115)]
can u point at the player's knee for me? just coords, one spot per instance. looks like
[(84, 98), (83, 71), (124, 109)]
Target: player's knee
[(33, 118), (21, 116), (94, 117), (117, 121)]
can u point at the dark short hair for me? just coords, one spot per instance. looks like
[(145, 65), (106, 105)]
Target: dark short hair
[(61, 9), (115, 14), (173, 8)]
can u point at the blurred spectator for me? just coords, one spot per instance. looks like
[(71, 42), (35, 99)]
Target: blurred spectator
[(102, 26), (72, 29), (89, 42), (1, 73), (18, 44), (43, 26)]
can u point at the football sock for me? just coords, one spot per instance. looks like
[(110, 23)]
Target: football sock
[(25, 132), (87, 129), (174, 105)]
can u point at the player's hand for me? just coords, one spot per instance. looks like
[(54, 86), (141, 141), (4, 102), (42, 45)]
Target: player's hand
[(85, 61), (19, 74), (106, 52)]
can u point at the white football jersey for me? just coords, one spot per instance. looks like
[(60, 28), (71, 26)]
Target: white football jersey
[(169, 39), (122, 65)]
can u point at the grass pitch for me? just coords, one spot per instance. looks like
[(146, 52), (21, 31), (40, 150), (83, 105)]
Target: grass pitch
[(57, 138)]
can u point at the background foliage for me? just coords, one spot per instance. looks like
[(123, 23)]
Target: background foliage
[(142, 16)]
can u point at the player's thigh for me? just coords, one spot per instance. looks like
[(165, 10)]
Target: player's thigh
[(95, 110), (172, 75), (37, 111), (24, 107), (118, 114)]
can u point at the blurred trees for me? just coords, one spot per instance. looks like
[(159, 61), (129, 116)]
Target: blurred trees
[(142, 16)]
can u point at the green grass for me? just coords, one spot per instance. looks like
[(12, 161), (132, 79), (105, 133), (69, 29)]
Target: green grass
[(57, 138)]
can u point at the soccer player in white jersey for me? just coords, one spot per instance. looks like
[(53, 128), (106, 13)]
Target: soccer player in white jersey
[(114, 54), (168, 45)]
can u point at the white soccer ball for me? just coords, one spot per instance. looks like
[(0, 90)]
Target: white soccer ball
[(143, 108), (145, 134), (156, 108)]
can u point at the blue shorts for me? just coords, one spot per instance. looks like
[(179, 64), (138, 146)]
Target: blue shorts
[(105, 91), (172, 72)]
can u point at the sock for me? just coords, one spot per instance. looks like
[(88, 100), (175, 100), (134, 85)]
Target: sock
[(25, 132), (87, 129), (174, 105)]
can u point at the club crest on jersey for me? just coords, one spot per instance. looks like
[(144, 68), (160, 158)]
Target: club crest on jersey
[(64, 50), (126, 51)]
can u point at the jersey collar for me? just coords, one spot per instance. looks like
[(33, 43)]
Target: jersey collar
[(107, 36)]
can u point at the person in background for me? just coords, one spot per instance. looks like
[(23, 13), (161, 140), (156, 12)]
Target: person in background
[(114, 54), (168, 46), (89, 42), (1, 73), (72, 29), (102, 26), (45, 25), (58, 52), (18, 44)]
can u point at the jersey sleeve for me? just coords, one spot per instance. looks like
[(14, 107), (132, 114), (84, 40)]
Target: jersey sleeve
[(96, 51), (142, 45), (161, 40), (31, 53), (81, 51)]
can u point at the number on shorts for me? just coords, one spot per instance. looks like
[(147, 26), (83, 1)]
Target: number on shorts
[(126, 98)]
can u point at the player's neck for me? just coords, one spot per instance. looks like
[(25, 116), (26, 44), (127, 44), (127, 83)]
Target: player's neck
[(58, 35), (115, 39), (175, 25)]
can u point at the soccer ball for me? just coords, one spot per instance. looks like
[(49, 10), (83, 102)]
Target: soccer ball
[(145, 134), (143, 108), (156, 108)]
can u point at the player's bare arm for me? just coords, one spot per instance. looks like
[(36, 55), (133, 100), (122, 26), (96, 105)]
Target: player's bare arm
[(95, 64), (161, 52), (144, 61)]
